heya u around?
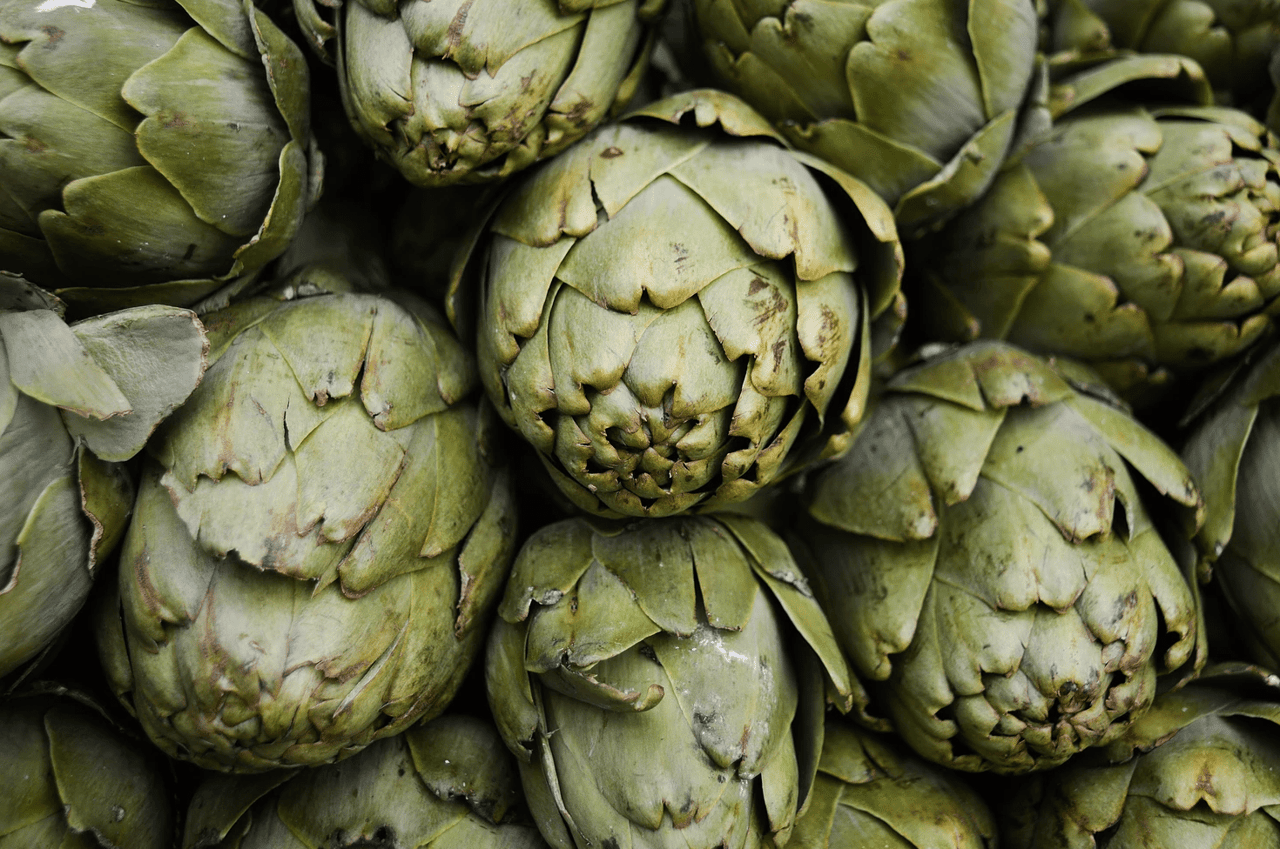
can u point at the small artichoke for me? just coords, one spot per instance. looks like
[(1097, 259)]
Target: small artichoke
[(920, 99), (675, 313), (984, 551), (319, 536), (130, 176), (75, 401), (447, 784), (660, 683)]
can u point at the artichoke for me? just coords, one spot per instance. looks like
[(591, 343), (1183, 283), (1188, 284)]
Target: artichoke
[(448, 784), (150, 152), (918, 98), (870, 794), (75, 401), (318, 537), (74, 780), (1198, 770), (659, 682), (476, 93), (1142, 239), (984, 551), (674, 315)]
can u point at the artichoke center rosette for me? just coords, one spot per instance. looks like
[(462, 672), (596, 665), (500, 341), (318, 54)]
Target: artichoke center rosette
[(662, 682), (921, 99), (1141, 234), (680, 310), (986, 555), (149, 152), (451, 91), (76, 401), (319, 536)]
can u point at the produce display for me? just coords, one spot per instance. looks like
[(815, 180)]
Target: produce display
[(639, 424)]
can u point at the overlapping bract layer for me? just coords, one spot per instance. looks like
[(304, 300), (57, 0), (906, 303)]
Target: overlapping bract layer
[(675, 316), (984, 550), (164, 146), (660, 682), (317, 547), (918, 98)]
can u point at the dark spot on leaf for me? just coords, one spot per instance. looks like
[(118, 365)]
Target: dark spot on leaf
[(646, 651), (1019, 449), (54, 35), (704, 718), (611, 843), (757, 284), (191, 251), (611, 152)]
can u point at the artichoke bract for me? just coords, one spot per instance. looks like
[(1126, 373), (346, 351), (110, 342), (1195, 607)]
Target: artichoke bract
[(985, 553), (450, 92), (676, 312), (1142, 239), (72, 779), (448, 784), (156, 152), (918, 98), (75, 401), (318, 539), (1198, 770), (869, 793), (661, 682)]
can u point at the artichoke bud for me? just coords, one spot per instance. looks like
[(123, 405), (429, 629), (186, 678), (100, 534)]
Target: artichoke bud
[(75, 402), (920, 99), (661, 675), (320, 535), (1198, 769), (985, 552), (446, 784), (1141, 238), (680, 310), (143, 182)]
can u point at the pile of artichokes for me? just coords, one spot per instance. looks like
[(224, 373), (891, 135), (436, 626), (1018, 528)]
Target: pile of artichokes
[(639, 424)]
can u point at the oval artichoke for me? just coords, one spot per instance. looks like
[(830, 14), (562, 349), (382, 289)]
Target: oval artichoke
[(75, 401), (318, 539), (155, 152), (985, 552), (674, 315), (917, 98), (448, 784), (659, 682), (1143, 240)]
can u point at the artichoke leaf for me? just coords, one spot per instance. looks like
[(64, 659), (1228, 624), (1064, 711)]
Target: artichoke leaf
[(324, 341), (459, 757), (280, 56), (1080, 313), (1004, 35), (392, 385), (219, 803), (547, 568), (1215, 465), (587, 94), (657, 567), (808, 619), (728, 592), (225, 21), (953, 443), (106, 497), (48, 362), (551, 203)]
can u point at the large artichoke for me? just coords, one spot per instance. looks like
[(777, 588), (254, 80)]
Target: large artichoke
[(660, 683), (675, 313), (75, 401), (450, 91), (318, 539), (985, 551), (149, 152), (918, 98), (1142, 239)]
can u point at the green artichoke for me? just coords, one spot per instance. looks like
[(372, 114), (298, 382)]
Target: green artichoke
[(318, 539), (675, 314), (985, 552), (448, 784), (918, 98), (150, 152), (870, 794), (73, 780), (1142, 239), (476, 93), (75, 401), (660, 683), (1201, 770)]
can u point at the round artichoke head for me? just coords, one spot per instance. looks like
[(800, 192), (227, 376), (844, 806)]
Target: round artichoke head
[(75, 401), (985, 552), (318, 537), (918, 98), (176, 168), (662, 682), (676, 314), (1142, 239)]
